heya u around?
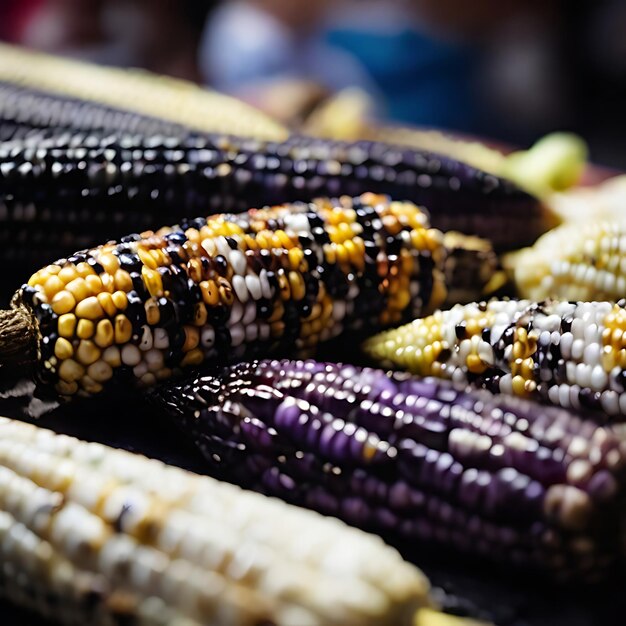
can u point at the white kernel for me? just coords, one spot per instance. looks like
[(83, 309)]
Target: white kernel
[(239, 286), (131, 355)]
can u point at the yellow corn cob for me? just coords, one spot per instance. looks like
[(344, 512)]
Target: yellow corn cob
[(89, 534), (573, 262), (135, 90)]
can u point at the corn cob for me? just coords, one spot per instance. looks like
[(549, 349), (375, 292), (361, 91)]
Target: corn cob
[(94, 535), (566, 353), (503, 478), (280, 279), (574, 263), (25, 110), (70, 189), (135, 91)]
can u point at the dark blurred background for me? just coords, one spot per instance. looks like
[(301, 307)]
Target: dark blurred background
[(509, 70)]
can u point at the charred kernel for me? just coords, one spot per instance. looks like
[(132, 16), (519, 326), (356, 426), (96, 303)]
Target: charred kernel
[(123, 329), (71, 371), (120, 300), (106, 302), (63, 349), (87, 352), (105, 335), (85, 329), (67, 325), (63, 302), (79, 289), (90, 308)]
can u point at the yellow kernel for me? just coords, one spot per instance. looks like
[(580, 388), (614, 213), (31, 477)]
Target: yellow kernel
[(85, 329), (109, 262), (108, 283), (79, 289), (153, 281), (296, 283), (63, 302), (123, 281), (105, 300), (63, 349), (147, 259), (226, 293), (68, 274), (71, 371), (194, 269), (283, 284), (104, 333), (67, 325), (94, 283), (53, 269), (296, 256), (194, 357), (87, 352), (120, 300), (192, 338), (210, 292), (84, 269), (52, 286), (123, 329), (475, 365), (519, 385), (112, 356), (89, 308)]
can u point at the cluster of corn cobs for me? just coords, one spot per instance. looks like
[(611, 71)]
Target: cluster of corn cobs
[(531, 486)]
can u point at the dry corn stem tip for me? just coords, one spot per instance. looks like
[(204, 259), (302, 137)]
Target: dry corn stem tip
[(18, 337)]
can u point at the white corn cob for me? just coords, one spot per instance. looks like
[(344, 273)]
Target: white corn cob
[(89, 534), (574, 262)]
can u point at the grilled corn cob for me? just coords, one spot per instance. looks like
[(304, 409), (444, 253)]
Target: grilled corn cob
[(569, 354), (59, 194), (574, 263), (134, 91), (503, 478), (280, 279), (93, 535)]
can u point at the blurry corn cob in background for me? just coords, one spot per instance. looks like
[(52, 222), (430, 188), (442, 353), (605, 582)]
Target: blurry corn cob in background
[(93, 535), (554, 163), (279, 279), (566, 353), (573, 262), (503, 478), (142, 93)]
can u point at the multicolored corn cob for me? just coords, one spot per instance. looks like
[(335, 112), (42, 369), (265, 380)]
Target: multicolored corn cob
[(94, 535), (574, 263), (222, 288), (134, 91), (502, 478), (570, 354)]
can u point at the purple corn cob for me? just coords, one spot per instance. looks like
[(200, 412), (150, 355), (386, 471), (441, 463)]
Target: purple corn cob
[(502, 478)]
